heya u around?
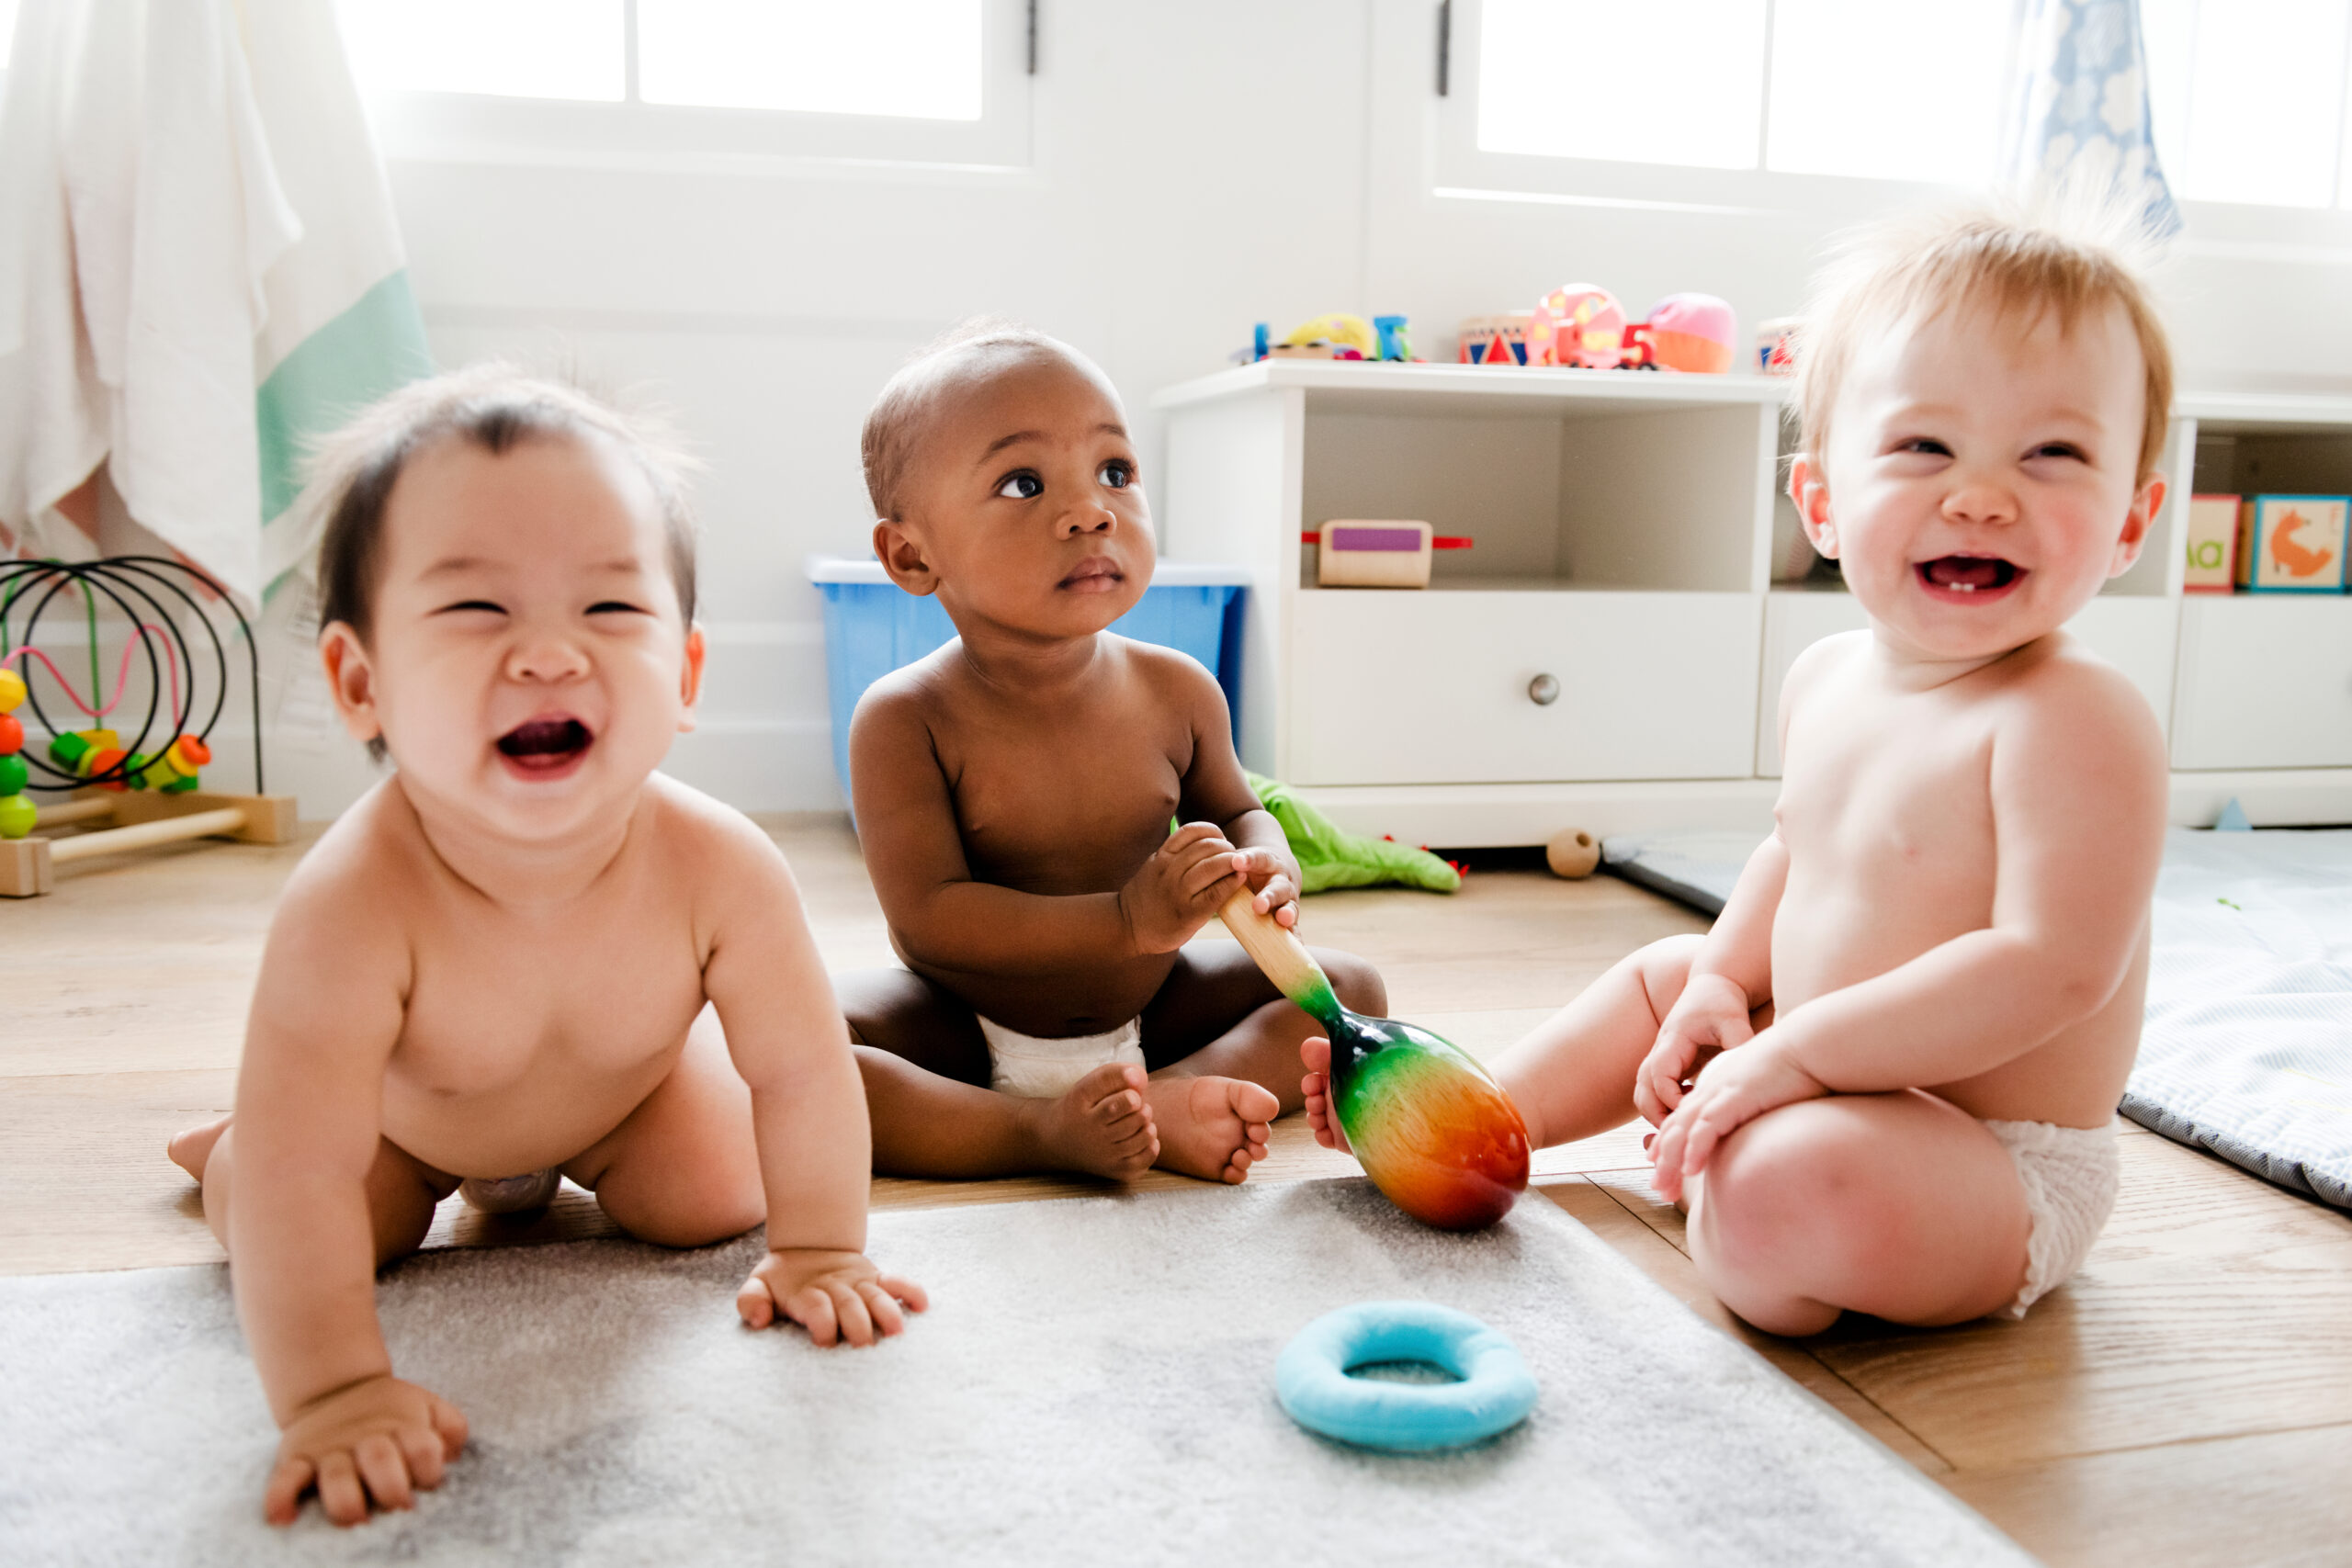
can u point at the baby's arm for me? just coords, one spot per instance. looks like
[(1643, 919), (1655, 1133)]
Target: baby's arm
[(1729, 979), (327, 1012), (947, 919), (2077, 787), (785, 1034), (1216, 791)]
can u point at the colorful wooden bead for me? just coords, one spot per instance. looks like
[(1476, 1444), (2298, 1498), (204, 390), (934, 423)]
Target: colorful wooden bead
[(12, 735), (12, 775), (12, 690), (18, 815)]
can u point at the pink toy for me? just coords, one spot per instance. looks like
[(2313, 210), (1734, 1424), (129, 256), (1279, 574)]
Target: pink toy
[(1685, 332), (1576, 324)]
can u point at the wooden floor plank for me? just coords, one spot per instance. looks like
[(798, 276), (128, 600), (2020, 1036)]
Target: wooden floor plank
[(2276, 1499)]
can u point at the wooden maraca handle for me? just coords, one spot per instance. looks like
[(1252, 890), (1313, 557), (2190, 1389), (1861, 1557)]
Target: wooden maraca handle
[(1275, 947)]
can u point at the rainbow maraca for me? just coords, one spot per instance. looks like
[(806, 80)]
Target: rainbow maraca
[(1435, 1133)]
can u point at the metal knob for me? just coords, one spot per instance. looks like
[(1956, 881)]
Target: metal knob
[(1544, 691)]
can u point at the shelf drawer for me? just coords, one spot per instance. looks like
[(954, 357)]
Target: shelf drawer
[(2265, 681), (1431, 687)]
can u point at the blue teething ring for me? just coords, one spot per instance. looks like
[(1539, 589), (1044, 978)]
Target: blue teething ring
[(1496, 1393)]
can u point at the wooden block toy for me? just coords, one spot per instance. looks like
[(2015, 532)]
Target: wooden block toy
[(2292, 544), (1690, 333), (1376, 553), (2212, 544), (1496, 340)]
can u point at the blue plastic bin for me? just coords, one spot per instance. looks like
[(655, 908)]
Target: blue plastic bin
[(873, 627)]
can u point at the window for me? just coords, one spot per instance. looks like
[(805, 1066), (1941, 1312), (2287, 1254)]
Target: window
[(629, 81), (1799, 86), (1684, 102), (2249, 98)]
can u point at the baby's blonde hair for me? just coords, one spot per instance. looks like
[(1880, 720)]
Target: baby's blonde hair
[(2014, 266)]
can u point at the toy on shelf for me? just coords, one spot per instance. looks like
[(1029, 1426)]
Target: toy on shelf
[(152, 776), (1339, 335), (2292, 544), (1776, 346), (1577, 325), (1573, 854), (2212, 544), (1432, 1130), (1352, 552), (1690, 333), (1496, 340)]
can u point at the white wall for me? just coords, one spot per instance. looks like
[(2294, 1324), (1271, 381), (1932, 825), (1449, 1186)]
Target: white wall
[(1197, 167)]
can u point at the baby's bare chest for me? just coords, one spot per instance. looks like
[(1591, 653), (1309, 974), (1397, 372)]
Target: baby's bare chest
[(1891, 805), (1074, 809), (492, 1005)]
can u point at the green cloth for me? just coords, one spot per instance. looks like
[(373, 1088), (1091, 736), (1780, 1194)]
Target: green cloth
[(1331, 857)]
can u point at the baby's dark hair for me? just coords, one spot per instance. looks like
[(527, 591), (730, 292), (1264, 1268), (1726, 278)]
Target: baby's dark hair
[(496, 407), (894, 427)]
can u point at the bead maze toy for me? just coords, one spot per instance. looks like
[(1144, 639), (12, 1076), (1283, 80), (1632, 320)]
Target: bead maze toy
[(1436, 1135), (126, 794)]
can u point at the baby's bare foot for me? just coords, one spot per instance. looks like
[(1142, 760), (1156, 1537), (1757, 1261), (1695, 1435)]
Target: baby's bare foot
[(1103, 1126), (192, 1148), (1212, 1128)]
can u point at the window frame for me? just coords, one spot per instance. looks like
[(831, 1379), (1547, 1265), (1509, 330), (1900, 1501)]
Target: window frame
[(634, 135)]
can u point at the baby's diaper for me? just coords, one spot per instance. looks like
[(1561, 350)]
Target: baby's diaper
[(2070, 1175), (512, 1194), (1047, 1069)]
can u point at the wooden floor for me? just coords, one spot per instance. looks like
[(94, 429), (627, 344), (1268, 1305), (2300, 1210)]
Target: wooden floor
[(2186, 1400)]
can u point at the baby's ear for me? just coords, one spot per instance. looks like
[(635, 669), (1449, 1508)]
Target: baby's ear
[(2145, 505), (902, 557), (690, 677), (351, 680), (1810, 490)]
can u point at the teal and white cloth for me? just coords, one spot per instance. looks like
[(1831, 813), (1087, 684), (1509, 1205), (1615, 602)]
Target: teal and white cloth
[(2079, 128), (199, 270)]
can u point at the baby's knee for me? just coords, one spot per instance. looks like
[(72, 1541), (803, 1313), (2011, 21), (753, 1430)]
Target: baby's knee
[(1355, 982), (1665, 967), (1793, 1183)]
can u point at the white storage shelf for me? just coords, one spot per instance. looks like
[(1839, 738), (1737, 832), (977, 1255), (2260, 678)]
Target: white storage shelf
[(1624, 548)]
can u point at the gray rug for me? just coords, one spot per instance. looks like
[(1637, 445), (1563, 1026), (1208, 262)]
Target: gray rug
[(1093, 1385)]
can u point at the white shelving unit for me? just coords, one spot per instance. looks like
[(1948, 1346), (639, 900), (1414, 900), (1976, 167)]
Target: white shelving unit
[(1624, 526)]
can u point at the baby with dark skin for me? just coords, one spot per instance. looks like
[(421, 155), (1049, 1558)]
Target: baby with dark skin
[(1014, 791)]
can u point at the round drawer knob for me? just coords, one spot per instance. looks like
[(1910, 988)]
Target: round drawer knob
[(1544, 691)]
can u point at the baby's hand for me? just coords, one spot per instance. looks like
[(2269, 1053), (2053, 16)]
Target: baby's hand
[(1322, 1116), (1736, 1088), (1270, 875), (1711, 1016), (834, 1295), (378, 1440), (1179, 889)]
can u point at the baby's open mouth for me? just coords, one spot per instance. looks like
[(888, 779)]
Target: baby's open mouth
[(1968, 574), (543, 745)]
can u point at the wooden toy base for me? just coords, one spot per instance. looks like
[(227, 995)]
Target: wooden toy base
[(28, 866)]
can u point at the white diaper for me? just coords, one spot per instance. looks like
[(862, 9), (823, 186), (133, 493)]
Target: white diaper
[(1047, 1069), (2070, 1175)]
